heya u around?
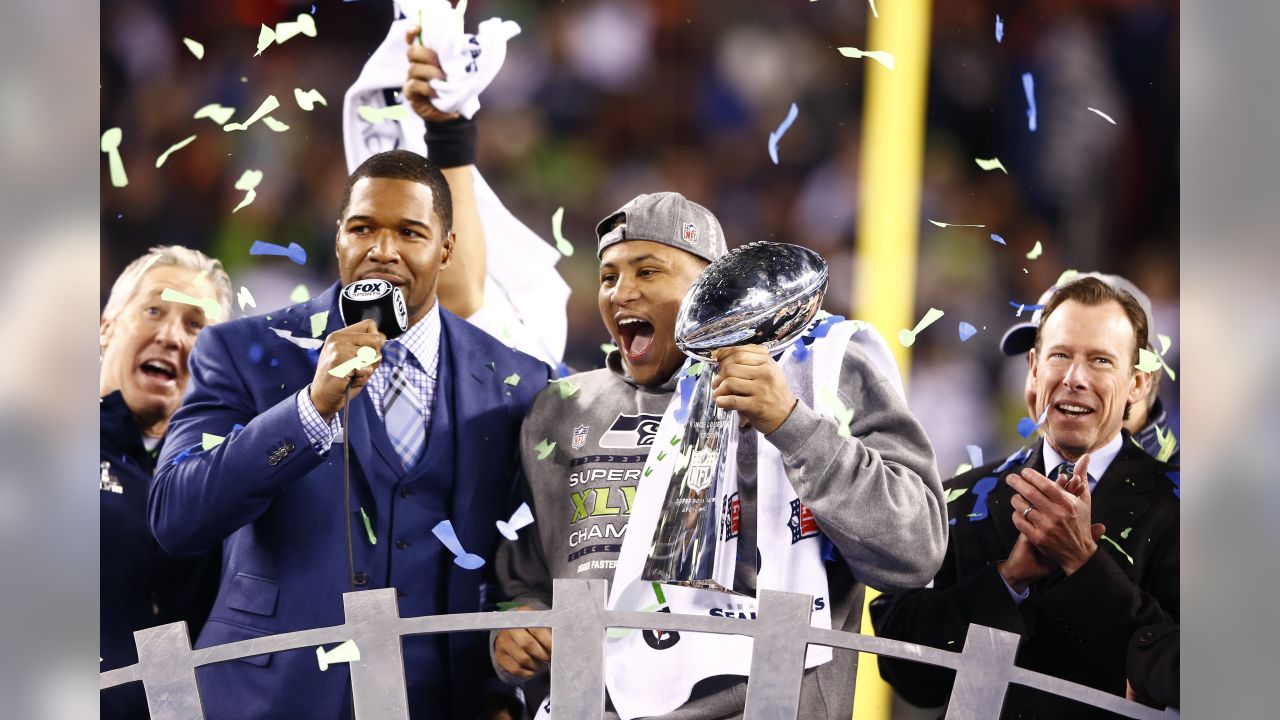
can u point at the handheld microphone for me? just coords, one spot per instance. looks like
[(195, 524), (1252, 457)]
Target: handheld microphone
[(378, 300)]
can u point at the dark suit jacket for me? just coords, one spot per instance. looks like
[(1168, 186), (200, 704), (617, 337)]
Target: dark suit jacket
[(276, 506), (1075, 627)]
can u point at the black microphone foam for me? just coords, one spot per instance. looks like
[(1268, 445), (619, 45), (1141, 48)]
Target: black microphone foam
[(376, 300)]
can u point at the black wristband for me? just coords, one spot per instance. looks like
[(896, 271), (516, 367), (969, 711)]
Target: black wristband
[(452, 144)]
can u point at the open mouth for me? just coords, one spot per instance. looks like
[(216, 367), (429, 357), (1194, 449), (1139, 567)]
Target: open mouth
[(161, 370), (636, 336), (1072, 410)]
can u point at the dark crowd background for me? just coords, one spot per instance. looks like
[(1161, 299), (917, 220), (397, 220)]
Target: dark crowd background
[(602, 99)]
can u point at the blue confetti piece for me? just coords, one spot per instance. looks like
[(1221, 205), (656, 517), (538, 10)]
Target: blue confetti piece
[(952, 521), (1176, 477), (998, 239), (274, 362), (686, 394), (181, 456), (294, 252), (824, 326), (255, 353), (313, 9), (1026, 426), (801, 351), (1014, 459), (776, 135), (1020, 307), (1029, 87), (562, 370), (463, 559), (237, 427), (975, 455), (999, 30), (966, 331), (981, 490)]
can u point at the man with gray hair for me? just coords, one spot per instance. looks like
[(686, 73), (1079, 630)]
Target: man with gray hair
[(868, 503), (145, 337)]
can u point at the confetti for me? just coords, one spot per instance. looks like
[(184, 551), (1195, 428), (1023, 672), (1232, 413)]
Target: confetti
[(506, 605), (1165, 342), (294, 252), (1116, 545), (966, 331), (999, 30), (368, 527), (307, 100), (947, 225), (544, 449), (347, 652), (111, 140), (172, 149), (997, 238), (1151, 362), (304, 25), (992, 164), (1021, 307), (567, 389), (975, 455), (266, 36), (377, 115), (776, 135), (365, 357), (1035, 251), (248, 182), (209, 442), (1124, 534), (196, 48), (208, 304), (873, 8), (305, 343), (274, 124), (300, 294), (218, 113), (908, 337), (1027, 426), (319, 322), (981, 490), (267, 106), (954, 493), (564, 246), (961, 469), (1029, 88), (522, 517), (608, 348), (1102, 115), (883, 57), (461, 558), (513, 379), (1065, 276), (844, 415)]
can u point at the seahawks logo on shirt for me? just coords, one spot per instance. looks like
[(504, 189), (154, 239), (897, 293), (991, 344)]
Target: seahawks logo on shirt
[(631, 431)]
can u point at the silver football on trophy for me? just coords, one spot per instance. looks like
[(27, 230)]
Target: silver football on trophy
[(762, 293)]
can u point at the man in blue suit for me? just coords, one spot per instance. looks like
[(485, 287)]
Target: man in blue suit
[(433, 433)]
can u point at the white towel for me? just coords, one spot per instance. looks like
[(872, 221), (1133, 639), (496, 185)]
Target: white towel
[(524, 296)]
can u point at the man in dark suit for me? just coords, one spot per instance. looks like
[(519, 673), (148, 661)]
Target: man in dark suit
[(434, 438), (1077, 546)]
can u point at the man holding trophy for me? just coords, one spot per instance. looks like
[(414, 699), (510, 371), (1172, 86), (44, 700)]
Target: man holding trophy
[(787, 459)]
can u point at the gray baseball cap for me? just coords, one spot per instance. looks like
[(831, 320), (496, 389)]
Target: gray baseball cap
[(1020, 338), (668, 218)]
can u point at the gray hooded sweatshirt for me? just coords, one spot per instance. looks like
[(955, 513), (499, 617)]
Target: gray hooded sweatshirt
[(875, 495)]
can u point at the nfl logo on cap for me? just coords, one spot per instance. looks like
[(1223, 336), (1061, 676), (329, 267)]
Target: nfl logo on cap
[(690, 233)]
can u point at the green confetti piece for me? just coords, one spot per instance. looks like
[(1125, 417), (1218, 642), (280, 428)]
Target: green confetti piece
[(695, 369), (954, 493), (172, 149), (1065, 276), (319, 322), (300, 294), (1147, 360), (544, 449), (564, 246), (992, 164), (1126, 555), (883, 57), (365, 357), (506, 605), (844, 416), (308, 100), (274, 124), (657, 591), (209, 441), (567, 389), (196, 48), (218, 113), (908, 337), (111, 140), (368, 527), (287, 30), (962, 469), (268, 106), (248, 182), (947, 225), (374, 115), (608, 348), (1124, 534), (1167, 442), (1165, 342), (266, 36), (1035, 251), (210, 306), (513, 379)]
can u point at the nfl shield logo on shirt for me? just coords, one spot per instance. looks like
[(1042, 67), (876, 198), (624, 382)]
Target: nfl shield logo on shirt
[(580, 436), (690, 233)]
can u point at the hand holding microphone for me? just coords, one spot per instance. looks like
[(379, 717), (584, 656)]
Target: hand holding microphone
[(374, 312)]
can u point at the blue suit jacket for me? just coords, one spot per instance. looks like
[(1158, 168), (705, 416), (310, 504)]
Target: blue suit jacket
[(276, 505)]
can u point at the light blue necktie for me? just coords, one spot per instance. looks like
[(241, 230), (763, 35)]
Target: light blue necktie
[(401, 408)]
